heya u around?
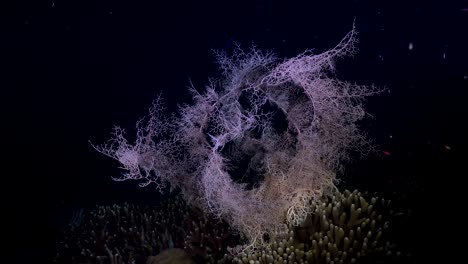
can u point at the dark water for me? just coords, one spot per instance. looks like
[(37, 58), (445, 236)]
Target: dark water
[(75, 69)]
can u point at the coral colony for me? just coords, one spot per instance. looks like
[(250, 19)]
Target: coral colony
[(252, 163)]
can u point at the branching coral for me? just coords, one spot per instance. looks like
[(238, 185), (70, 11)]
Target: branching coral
[(237, 119), (350, 227), (347, 228), (123, 234), (132, 234)]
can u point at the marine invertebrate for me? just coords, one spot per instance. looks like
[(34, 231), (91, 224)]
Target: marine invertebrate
[(125, 233), (349, 227), (238, 118)]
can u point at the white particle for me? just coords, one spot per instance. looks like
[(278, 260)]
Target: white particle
[(410, 46)]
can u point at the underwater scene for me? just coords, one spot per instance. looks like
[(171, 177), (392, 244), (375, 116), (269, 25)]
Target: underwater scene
[(238, 131)]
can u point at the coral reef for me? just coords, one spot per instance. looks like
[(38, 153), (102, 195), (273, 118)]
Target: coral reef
[(351, 227), (347, 228), (132, 234)]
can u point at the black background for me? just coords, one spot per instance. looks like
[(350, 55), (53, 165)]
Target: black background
[(74, 69)]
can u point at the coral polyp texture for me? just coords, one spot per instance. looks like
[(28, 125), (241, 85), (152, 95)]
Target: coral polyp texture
[(122, 233), (131, 233), (346, 228)]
